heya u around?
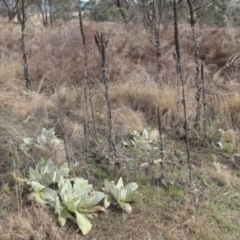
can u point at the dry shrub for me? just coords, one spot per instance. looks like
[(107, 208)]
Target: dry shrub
[(216, 50), (217, 46)]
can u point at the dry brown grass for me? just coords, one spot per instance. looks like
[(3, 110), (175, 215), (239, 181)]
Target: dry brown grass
[(223, 110), (126, 120), (232, 107), (56, 58), (35, 222), (146, 98), (35, 105)]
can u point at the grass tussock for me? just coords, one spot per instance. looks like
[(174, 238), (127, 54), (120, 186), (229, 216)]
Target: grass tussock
[(126, 120), (146, 98)]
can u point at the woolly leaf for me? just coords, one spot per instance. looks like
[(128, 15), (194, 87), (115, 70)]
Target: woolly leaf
[(120, 183), (83, 223), (94, 198), (37, 187), (134, 197)]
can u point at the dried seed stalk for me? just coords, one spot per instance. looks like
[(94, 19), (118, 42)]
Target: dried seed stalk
[(87, 92), (101, 42), (24, 56), (198, 67), (204, 102), (65, 138), (179, 71), (157, 20)]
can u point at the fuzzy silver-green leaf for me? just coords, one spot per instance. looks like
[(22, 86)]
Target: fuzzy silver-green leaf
[(131, 187), (34, 175), (134, 197), (37, 187), (107, 186), (94, 198), (83, 223), (49, 195), (120, 183)]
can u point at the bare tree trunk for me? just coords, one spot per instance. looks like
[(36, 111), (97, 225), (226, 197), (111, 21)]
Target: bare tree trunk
[(43, 9), (118, 3), (144, 13), (50, 12), (45, 13), (11, 10)]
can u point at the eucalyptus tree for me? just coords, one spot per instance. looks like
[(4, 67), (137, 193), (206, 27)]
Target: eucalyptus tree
[(10, 8), (52, 10)]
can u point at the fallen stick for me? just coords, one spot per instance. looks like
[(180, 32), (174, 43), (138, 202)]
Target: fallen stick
[(148, 164)]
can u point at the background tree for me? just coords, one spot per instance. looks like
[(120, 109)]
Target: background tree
[(53, 10), (11, 7)]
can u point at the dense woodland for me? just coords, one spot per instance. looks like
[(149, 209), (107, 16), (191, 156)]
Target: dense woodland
[(119, 119)]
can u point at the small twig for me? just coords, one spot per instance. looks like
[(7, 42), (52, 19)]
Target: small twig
[(146, 165), (65, 139), (204, 102), (160, 130), (118, 3)]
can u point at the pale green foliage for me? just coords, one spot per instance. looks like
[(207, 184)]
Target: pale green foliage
[(143, 140), (75, 198), (47, 173), (42, 194), (78, 200), (123, 196), (72, 198), (46, 138), (226, 142)]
